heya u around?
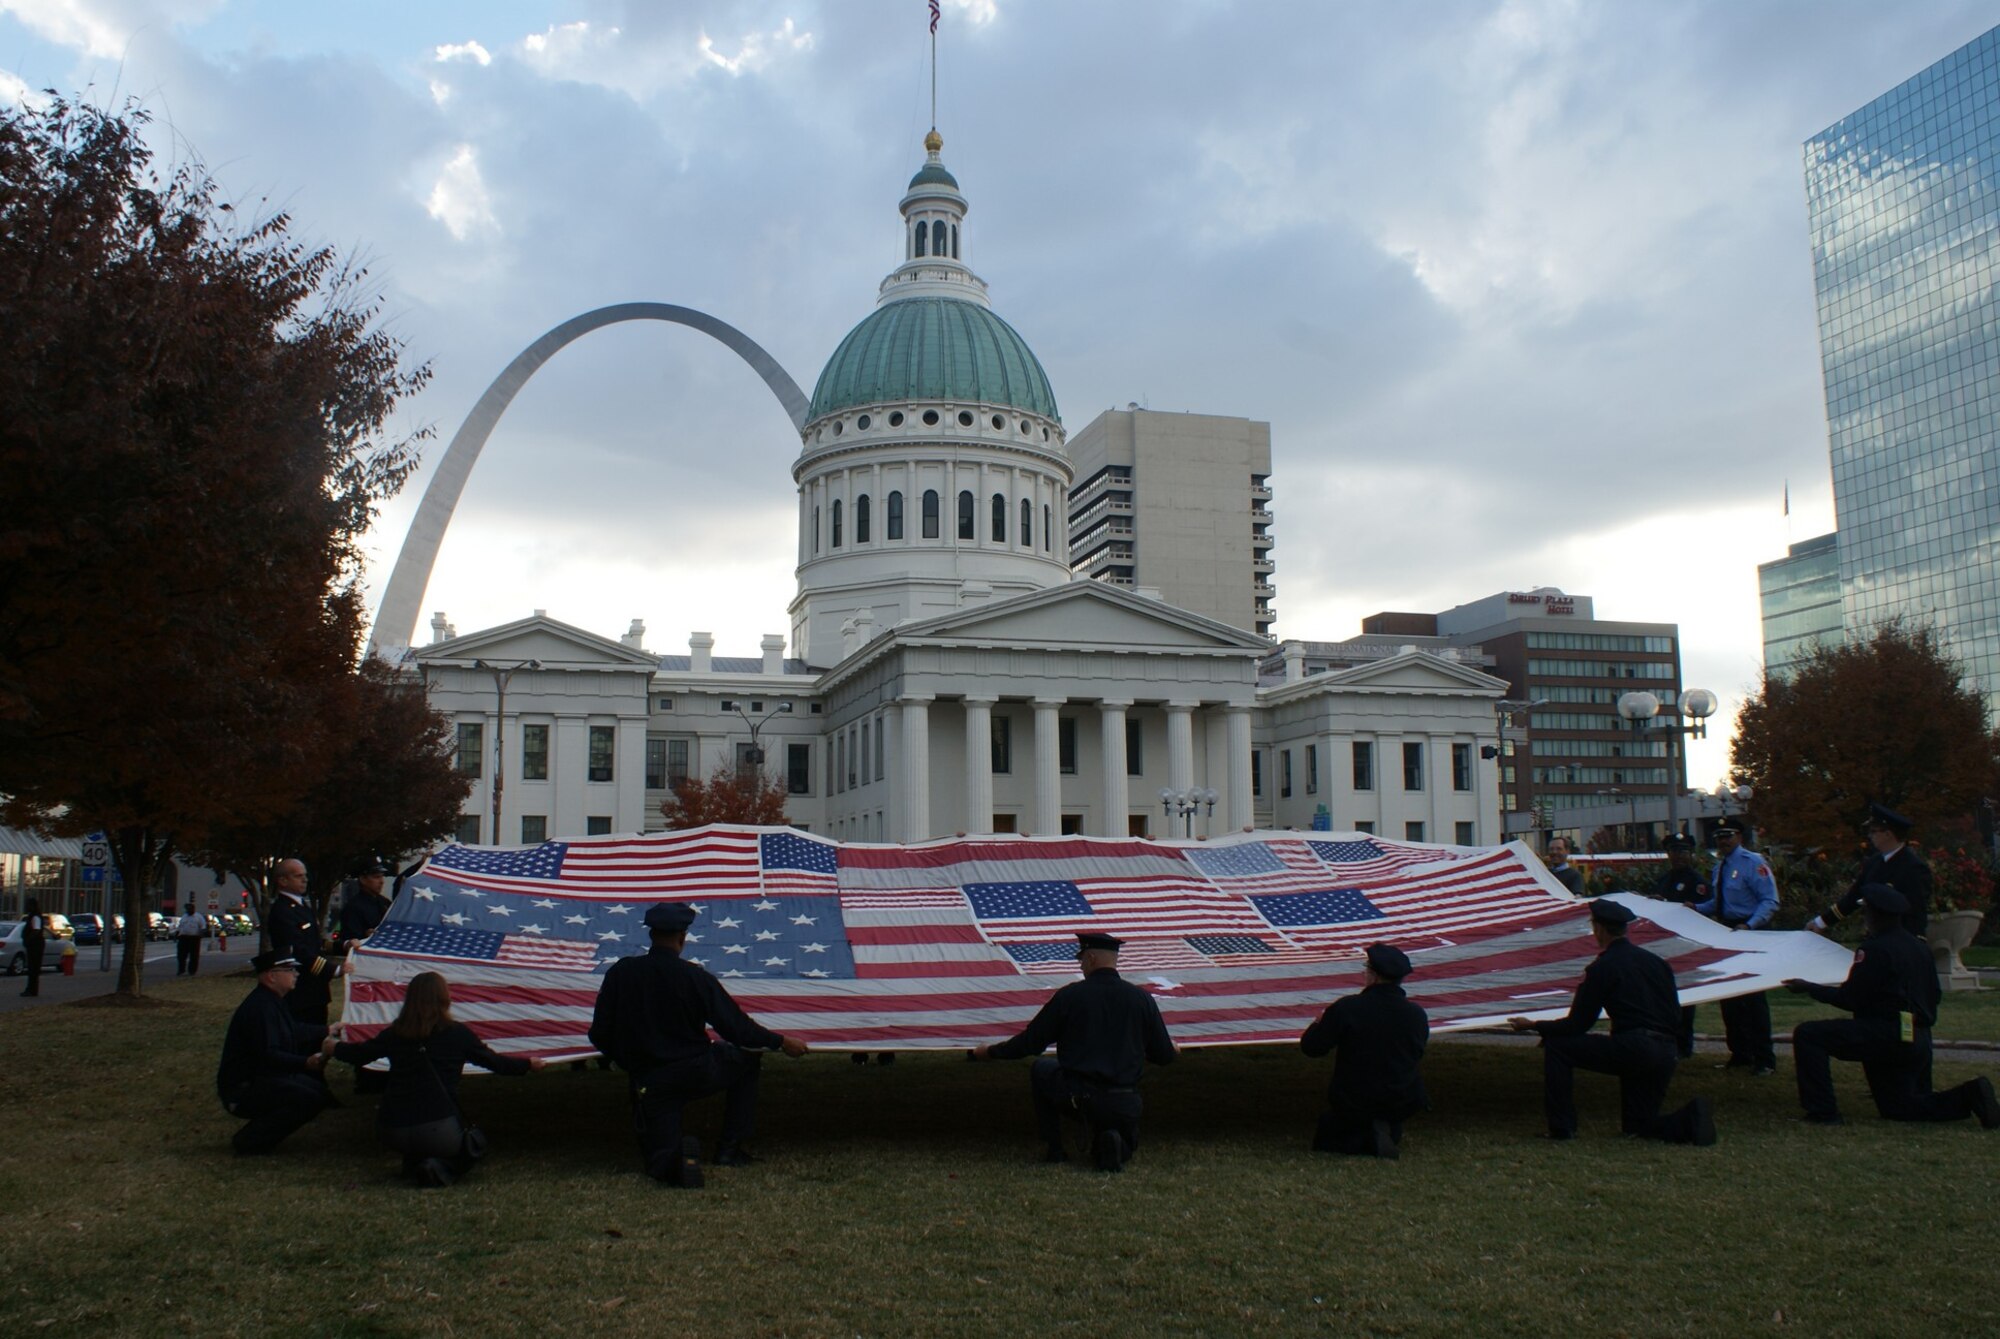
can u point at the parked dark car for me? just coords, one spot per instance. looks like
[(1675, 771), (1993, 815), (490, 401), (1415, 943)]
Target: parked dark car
[(89, 927)]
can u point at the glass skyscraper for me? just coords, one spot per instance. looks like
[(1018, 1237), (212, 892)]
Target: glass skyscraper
[(1905, 216), (1799, 596)]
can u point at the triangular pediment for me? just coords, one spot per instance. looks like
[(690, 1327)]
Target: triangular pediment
[(538, 637), (1081, 614), (1410, 672)]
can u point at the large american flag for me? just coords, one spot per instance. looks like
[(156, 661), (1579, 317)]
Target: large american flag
[(950, 943)]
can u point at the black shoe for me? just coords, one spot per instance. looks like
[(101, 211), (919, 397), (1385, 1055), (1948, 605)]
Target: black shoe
[(1811, 1118), (1385, 1141), (1055, 1153), (734, 1155), (436, 1172), (1984, 1104), (1701, 1122), (1763, 1071), (689, 1167), (886, 1058), (858, 1058), (1108, 1151)]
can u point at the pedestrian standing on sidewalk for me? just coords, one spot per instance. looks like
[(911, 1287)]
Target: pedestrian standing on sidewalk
[(188, 933), (34, 938)]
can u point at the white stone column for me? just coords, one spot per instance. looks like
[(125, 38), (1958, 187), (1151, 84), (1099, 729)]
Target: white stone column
[(1180, 744), (914, 755), (978, 755), (1236, 727), (1116, 804), (1048, 765)]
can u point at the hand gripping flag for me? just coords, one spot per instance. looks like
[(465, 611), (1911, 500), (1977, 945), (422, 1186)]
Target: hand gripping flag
[(950, 943)]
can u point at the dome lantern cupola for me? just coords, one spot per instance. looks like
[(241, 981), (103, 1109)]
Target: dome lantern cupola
[(933, 217)]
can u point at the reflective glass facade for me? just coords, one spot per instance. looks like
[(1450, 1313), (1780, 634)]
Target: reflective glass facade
[(1799, 597), (1905, 220)]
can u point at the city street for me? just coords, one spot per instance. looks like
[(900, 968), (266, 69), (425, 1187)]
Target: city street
[(90, 979)]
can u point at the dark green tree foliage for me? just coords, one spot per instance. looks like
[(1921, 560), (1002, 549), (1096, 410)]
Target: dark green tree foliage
[(192, 412), (1887, 720)]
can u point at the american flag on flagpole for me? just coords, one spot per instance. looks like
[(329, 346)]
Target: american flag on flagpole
[(936, 13), (946, 944)]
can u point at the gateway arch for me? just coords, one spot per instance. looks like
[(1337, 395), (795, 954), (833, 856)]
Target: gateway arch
[(396, 619)]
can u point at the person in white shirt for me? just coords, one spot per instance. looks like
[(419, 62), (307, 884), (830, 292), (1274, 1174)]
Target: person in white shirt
[(188, 932)]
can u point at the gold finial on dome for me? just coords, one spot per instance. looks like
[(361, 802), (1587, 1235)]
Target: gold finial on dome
[(933, 141)]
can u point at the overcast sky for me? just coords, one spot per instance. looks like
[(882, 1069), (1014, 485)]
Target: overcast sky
[(1523, 289)]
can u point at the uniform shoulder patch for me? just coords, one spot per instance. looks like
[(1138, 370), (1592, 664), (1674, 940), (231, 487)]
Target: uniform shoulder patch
[(1764, 870), (1861, 955)]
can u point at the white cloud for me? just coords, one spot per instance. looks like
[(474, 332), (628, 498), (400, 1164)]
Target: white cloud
[(459, 198), (471, 51), (103, 27), (440, 92), (755, 50), (14, 89)]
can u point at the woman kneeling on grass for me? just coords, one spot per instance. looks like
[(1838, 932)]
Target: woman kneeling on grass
[(427, 1051)]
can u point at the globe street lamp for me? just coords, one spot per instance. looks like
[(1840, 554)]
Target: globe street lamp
[(1184, 804), (502, 674), (1640, 710)]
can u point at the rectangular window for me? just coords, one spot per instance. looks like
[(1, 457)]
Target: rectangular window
[(1003, 744), (1461, 767), (1284, 774), (1257, 774), (597, 825), (1364, 828), (1464, 834), (881, 748), (534, 753), (1413, 766), (677, 762), (468, 830), (471, 750), (1135, 748), (840, 761), (600, 752), (534, 829), (1312, 769), (1364, 765), (1066, 745), (853, 758), (1413, 832), (656, 764), (798, 768), (865, 752)]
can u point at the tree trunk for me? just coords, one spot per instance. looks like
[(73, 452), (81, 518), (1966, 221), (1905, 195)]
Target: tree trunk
[(138, 853)]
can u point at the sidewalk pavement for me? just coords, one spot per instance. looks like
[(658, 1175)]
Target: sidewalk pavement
[(90, 979)]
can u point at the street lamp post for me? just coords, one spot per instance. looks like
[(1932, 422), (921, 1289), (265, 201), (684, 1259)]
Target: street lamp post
[(502, 676), (1504, 710), (1184, 804), (756, 727), (1640, 710)]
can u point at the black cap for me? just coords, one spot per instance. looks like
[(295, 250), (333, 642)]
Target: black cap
[(374, 864), (669, 916), (1680, 842), (1729, 826), (1885, 899), (264, 962), (1388, 960), (1103, 943), (1611, 913), (1882, 816)]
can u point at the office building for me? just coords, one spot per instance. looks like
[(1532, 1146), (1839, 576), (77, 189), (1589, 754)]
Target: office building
[(1798, 597)]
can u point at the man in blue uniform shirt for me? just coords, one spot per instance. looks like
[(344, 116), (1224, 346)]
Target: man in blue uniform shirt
[(652, 1018), (1892, 991), (1104, 1030), (1742, 895)]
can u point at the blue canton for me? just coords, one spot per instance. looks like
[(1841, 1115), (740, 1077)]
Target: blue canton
[(771, 937), (1040, 952), (437, 940), (1341, 906), (1235, 862), (535, 862), (1029, 901), (1214, 944), (1345, 853), (783, 850)]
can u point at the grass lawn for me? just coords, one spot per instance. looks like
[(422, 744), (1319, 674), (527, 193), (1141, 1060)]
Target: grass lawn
[(905, 1201), (1963, 1015), (1981, 957)]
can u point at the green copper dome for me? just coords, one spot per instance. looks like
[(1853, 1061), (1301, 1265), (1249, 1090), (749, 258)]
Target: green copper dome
[(933, 174), (933, 349)]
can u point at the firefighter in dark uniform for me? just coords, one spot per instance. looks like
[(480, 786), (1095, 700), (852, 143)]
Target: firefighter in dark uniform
[(363, 908), (1892, 991), (1378, 1038), (1104, 1030), (1894, 862), (1682, 883), (1636, 989), (270, 1075), (295, 934), (653, 1015)]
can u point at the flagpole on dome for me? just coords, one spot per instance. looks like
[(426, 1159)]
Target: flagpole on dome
[(936, 13)]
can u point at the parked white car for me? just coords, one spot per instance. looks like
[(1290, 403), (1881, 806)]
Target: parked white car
[(14, 952)]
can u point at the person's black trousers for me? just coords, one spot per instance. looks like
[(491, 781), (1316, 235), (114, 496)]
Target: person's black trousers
[(1686, 1037), (273, 1107), (34, 969), (187, 955), (1349, 1131), (1898, 1071), (659, 1096), (1644, 1064), (1058, 1094), (1746, 1022)]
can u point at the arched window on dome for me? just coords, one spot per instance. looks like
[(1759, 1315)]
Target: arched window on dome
[(836, 523), (954, 241), (939, 247), (895, 517), (861, 519), (815, 529), (1048, 529), (1027, 524), (930, 513), (922, 234), (999, 518), (965, 515)]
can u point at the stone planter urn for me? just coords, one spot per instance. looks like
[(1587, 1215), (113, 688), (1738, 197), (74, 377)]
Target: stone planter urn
[(1948, 934)]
